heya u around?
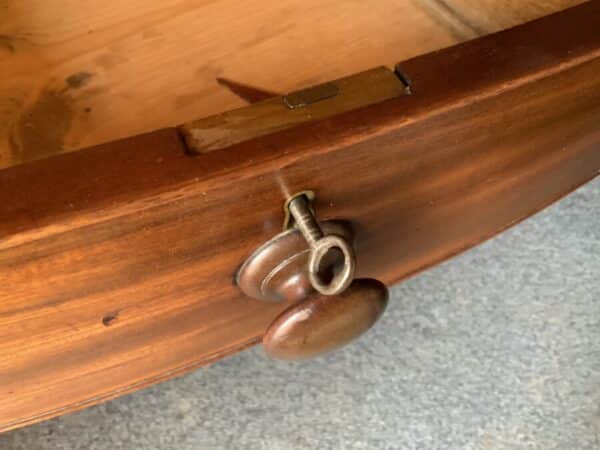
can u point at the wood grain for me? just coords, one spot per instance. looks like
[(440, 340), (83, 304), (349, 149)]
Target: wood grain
[(117, 261), (467, 19), (242, 124), (72, 76)]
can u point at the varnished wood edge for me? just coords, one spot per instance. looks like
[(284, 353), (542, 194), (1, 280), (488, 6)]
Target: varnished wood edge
[(165, 171), (179, 371)]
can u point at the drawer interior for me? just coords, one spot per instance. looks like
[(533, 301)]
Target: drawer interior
[(73, 76)]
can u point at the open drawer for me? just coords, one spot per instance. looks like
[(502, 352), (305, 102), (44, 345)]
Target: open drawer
[(118, 262)]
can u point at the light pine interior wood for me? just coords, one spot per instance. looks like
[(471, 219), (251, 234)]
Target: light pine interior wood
[(75, 74)]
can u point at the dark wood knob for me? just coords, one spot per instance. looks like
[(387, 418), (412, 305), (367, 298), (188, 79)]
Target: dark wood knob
[(322, 323)]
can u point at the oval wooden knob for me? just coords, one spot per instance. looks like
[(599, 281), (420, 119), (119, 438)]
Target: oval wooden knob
[(322, 323)]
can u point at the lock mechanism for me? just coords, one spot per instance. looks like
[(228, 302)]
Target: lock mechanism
[(312, 266)]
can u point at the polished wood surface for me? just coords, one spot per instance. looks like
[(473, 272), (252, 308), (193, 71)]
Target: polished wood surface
[(323, 323), (118, 261), (76, 74)]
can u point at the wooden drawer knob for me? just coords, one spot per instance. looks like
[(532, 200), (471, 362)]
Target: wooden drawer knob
[(322, 323), (311, 264)]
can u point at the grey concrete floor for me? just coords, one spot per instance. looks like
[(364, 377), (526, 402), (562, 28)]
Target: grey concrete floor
[(498, 348)]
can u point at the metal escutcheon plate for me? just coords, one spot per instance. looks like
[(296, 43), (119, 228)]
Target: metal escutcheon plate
[(277, 271)]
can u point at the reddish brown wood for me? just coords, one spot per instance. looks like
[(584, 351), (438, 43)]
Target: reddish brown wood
[(322, 323), (117, 262)]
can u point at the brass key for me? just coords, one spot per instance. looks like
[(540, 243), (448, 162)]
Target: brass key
[(320, 246), (329, 309)]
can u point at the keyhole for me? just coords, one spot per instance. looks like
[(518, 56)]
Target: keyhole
[(330, 265)]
